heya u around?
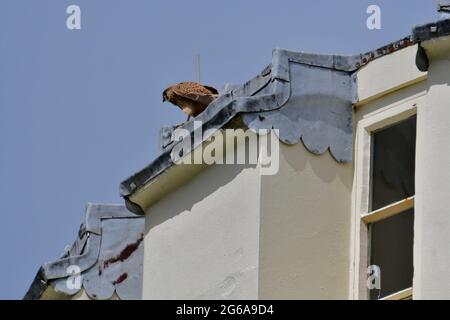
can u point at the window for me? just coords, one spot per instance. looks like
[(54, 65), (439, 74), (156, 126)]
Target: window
[(391, 248), (387, 225), (393, 163)]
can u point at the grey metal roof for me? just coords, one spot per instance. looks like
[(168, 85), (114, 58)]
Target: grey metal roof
[(308, 97), (109, 253)]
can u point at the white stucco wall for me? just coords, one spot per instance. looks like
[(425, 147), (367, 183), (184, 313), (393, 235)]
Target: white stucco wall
[(232, 233), (201, 241), (305, 227), (432, 224), (388, 74)]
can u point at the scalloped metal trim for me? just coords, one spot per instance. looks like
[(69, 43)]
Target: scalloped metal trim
[(109, 253)]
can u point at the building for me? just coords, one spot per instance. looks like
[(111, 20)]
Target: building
[(356, 209)]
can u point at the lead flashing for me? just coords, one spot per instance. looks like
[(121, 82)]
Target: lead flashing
[(430, 31), (110, 235)]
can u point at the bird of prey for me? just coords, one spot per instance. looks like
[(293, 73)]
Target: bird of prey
[(191, 97)]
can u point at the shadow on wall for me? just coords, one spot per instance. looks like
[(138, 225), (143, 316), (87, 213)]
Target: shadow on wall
[(324, 166), (185, 197), (213, 178), (437, 77)]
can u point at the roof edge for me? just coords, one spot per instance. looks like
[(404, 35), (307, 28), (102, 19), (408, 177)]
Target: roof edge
[(427, 32), (84, 252), (245, 100)]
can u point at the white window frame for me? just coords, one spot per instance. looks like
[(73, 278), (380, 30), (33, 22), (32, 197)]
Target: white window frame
[(369, 123)]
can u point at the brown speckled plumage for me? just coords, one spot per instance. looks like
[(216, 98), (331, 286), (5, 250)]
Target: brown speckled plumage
[(191, 97)]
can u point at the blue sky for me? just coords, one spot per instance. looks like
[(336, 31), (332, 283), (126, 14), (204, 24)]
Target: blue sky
[(80, 110)]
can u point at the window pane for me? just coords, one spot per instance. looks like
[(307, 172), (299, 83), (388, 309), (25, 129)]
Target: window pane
[(391, 248), (394, 150)]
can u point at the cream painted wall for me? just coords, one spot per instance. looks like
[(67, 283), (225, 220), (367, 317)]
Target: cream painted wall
[(201, 241), (387, 74), (231, 233), (432, 224), (82, 295), (305, 227)]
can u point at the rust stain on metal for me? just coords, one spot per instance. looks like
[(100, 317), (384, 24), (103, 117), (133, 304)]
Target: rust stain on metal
[(125, 253), (121, 278)]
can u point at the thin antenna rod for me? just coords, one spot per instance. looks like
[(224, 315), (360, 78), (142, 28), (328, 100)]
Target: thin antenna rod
[(197, 67)]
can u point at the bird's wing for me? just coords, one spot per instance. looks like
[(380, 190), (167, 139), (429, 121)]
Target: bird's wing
[(194, 87), (202, 98), (213, 90)]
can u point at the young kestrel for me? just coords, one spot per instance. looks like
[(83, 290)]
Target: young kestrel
[(191, 97)]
